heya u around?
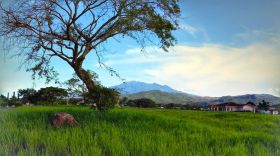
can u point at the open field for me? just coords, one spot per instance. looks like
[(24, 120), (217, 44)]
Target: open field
[(129, 131)]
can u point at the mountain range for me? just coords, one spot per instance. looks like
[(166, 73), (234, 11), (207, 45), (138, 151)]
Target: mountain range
[(133, 87), (164, 94)]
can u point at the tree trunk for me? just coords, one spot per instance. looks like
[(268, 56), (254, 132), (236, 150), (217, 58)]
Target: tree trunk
[(90, 84)]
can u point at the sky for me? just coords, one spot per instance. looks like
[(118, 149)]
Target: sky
[(223, 48)]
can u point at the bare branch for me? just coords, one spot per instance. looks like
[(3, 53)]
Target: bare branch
[(72, 29)]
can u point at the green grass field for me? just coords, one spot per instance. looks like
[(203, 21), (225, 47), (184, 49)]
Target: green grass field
[(144, 132)]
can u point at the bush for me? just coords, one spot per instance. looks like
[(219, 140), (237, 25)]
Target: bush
[(42, 103), (131, 103), (124, 101), (186, 106), (14, 102), (74, 101), (3, 102), (46, 96), (47, 103), (264, 105), (170, 106), (145, 103), (108, 98), (61, 102)]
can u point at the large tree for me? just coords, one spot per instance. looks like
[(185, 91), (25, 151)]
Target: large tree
[(26, 94), (263, 105), (50, 94), (73, 29)]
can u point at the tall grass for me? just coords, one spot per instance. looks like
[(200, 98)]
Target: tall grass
[(144, 132)]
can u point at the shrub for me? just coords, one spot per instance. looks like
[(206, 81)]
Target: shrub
[(3, 102), (73, 101), (131, 103), (62, 102), (48, 96), (14, 102), (144, 102), (263, 105), (26, 94), (186, 106), (170, 106), (108, 98), (124, 101), (42, 103)]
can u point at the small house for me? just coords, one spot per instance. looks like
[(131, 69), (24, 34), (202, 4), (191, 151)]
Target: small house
[(270, 110), (273, 111), (233, 107)]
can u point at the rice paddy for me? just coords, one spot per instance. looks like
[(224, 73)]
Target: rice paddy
[(138, 132)]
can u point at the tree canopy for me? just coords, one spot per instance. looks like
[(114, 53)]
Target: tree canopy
[(263, 105), (76, 87), (26, 94), (50, 94)]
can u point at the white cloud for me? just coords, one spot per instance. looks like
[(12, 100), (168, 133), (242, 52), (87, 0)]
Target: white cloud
[(275, 90), (194, 31), (190, 29), (252, 35), (139, 56), (215, 70)]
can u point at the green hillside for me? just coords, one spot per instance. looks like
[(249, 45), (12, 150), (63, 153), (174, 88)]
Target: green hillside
[(164, 97), (184, 98)]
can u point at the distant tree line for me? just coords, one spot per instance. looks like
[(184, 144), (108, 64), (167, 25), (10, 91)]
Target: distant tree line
[(76, 92), (263, 105), (149, 103), (57, 96), (43, 96)]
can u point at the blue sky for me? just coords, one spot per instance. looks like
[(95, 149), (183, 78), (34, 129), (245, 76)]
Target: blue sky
[(224, 48)]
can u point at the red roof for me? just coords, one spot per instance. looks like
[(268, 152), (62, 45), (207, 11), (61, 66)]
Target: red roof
[(233, 104), (250, 103), (229, 104)]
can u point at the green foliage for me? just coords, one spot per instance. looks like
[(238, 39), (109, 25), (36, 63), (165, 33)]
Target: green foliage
[(124, 100), (26, 94), (186, 106), (76, 87), (144, 102), (14, 102), (131, 131), (108, 98), (263, 105), (2, 96), (183, 107), (54, 102), (173, 105), (49, 95), (3, 100)]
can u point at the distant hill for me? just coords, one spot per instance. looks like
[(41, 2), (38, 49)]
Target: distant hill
[(255, 98), (164, 97), (133, 87), (184, 98), (165, 94)]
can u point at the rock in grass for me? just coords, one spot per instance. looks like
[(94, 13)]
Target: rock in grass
[(60, 119)]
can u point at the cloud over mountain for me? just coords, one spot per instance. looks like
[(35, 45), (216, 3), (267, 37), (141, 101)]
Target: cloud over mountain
[(211, 69)]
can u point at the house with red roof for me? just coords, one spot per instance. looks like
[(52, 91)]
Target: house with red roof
[(233, 107)]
